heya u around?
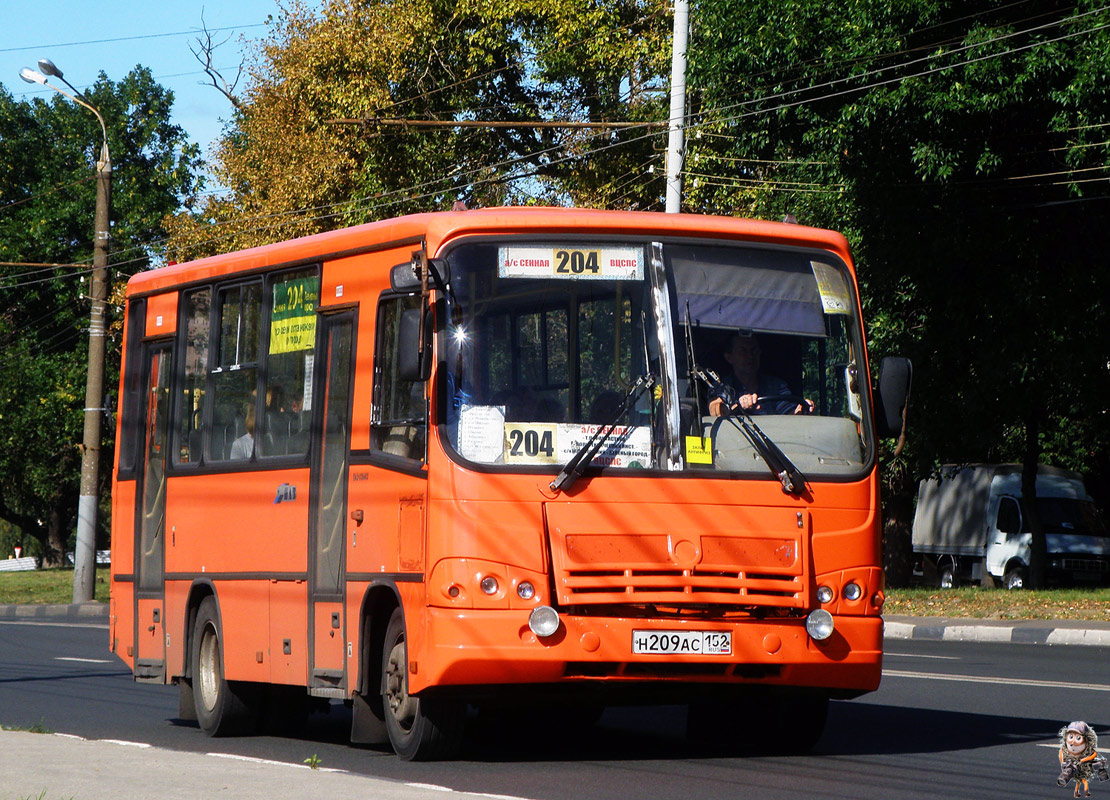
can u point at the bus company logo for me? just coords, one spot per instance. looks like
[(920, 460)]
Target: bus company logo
[(286, 493)]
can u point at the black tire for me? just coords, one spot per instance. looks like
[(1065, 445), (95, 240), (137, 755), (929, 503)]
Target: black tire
[(946, 577), (224, 708), (1014, 579), (419, 728)]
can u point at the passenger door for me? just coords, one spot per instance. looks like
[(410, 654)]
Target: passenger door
[(150, 525), (328, 508)]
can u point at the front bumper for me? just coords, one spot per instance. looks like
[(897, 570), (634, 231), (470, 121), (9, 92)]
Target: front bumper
[(491, 647)]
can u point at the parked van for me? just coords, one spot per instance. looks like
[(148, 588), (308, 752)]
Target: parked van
[(974, 518)]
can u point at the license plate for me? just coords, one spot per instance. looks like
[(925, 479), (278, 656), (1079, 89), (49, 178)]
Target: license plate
[(683, 643)]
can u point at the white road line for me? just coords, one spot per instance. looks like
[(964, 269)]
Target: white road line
[(270, 762), (84, 660), (938, 676), (124, 743), (920, 655)]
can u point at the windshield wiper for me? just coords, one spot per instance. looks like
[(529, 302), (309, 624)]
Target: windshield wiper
[(791, 478), (587, 452)]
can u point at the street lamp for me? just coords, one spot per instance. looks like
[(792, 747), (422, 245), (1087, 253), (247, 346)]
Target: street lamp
[(84, 561)]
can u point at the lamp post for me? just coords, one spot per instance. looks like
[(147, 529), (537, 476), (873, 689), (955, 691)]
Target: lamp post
[(84, 572)]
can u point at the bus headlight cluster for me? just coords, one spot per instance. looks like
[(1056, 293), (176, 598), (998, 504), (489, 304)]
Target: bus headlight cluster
[(825, 594), (488, 585), (525, 590), (852, 591)]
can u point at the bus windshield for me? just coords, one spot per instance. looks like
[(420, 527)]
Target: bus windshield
[(544, 341)]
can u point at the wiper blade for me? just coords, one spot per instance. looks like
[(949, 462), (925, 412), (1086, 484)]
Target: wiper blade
[(574, 468), (791, 478)]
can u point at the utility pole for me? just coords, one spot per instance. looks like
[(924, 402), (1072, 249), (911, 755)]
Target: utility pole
[(84, 559), (676, 147)]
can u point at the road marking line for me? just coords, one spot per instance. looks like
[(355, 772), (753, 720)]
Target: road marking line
[(938, 676), (124, 743), (431, 786), (921, 655), (83, 660), (270, 762)]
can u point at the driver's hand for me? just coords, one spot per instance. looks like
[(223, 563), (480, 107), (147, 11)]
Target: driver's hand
[(811, 407), (747, 401), (716, 407)]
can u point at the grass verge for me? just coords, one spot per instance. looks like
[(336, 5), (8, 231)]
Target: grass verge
[(979, 603), (47, 586)]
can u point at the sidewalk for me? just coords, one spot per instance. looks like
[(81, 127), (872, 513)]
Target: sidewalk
[(54, 766)]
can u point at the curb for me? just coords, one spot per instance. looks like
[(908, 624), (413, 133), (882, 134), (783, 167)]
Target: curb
[(946, 629), (72, 612)]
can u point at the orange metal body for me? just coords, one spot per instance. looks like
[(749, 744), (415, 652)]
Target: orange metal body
[(426, 530)]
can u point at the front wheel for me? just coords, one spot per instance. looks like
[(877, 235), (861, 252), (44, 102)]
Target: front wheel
[(419, 728), (1014, 578), (223, 708)]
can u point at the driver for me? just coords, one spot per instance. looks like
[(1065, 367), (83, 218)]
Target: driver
[(748, 383)]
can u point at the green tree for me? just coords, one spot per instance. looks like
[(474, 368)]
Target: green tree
[(319, 137), (48, 150), (954, 144)]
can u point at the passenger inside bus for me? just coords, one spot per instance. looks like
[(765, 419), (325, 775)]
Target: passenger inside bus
[(748, 382), (243, 446)]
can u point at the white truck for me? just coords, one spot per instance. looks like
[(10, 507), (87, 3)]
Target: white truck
[(972, 521)]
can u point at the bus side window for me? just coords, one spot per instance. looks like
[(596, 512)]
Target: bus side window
[(234, 377), (190, 409), (398, 419)]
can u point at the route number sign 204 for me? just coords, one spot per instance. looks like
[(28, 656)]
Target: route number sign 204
[(698, 643)]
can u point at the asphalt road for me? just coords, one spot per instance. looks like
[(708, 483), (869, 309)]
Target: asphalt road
[(951, 719)]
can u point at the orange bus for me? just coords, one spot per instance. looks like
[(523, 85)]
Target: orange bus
[(455, 461)]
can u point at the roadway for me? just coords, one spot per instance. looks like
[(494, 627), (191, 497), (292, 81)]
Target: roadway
[(951, 719)]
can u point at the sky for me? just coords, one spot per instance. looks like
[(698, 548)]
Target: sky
[(86, 37)]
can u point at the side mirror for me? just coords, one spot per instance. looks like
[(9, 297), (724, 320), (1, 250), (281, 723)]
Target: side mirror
[(892, 395), (406, 277), (414, 363)]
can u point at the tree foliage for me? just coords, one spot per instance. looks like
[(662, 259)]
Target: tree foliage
[(48, 150), (317, 140), (954, 143)]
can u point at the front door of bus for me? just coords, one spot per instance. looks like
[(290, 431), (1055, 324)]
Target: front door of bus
[(150, 525), (327, 536)]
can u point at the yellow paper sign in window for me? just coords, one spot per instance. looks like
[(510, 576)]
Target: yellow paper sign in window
[(699, 450)]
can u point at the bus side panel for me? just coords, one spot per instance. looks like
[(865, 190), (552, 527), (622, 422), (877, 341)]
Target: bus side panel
[(176, 622), (245, 618), (252, 522), (122, 586), (287, 653)]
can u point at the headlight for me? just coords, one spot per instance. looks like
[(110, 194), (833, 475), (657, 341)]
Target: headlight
[(819, 624), (852, 591), (824, 595), (544, 621), (488, 584), (525, 590)]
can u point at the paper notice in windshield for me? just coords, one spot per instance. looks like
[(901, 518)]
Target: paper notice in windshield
[(584, 262), (481, 432), (835, 297)]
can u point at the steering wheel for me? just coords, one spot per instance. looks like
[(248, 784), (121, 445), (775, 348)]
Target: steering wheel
[(779, 398)]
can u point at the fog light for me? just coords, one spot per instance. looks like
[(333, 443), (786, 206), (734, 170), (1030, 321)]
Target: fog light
[(852, 591), (824, 594), (488, 584), (525, 590), (544, 621), (819, 624)]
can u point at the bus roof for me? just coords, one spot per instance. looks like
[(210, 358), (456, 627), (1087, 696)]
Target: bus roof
[(437, 228)]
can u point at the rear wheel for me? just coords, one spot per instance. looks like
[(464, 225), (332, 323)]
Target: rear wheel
[(224, 708), (419, 728), (947, 576)]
